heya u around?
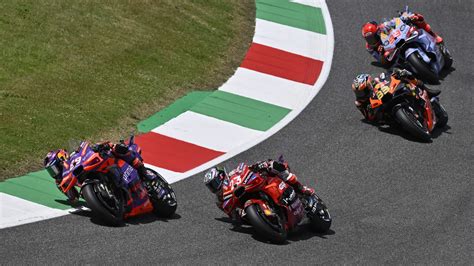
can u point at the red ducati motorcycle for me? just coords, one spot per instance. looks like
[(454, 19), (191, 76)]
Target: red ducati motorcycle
[(270, 205)]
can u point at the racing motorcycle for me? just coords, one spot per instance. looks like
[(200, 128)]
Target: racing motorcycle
[(409, 106), (270, 205), (112, 188), (415, 49)]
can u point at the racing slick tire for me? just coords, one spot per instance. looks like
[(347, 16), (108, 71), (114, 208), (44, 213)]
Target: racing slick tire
[(320, 217), (162, 197), (441, 114), (422, 69), (262, 225), (448, 59), (91, 195), (408, 121)]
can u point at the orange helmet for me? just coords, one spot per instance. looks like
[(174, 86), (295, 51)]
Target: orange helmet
[(369, 32), (362, 86)]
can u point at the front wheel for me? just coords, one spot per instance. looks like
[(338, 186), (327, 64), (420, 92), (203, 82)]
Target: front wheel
[(104, 203), (422, 69), (411, 124), (162, 196), (271, 230)]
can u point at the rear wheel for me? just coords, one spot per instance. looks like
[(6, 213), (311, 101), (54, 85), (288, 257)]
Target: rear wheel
[(271, 230), (448, 59), (319, 215), (162, 196), (104, 203), (441, 114), (422, 69), (411, 124)]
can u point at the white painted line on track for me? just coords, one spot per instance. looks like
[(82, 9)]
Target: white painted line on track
[(302, 42), (206, 131), (266, 88), (16, 211)]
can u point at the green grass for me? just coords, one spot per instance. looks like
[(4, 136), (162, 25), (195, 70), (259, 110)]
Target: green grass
[(93, 69)]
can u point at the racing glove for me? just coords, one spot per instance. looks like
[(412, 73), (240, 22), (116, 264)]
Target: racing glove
[(260, 166), (402, 74)]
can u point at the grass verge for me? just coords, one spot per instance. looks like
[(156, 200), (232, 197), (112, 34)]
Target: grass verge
[(91, 69)]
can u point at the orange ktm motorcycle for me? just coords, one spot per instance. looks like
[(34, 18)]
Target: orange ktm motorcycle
[(410, 107), (112, 188)]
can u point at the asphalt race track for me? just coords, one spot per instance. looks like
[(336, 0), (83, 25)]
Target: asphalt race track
[(393, 200)]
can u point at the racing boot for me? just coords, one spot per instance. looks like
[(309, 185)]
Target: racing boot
[(427, 27), (299, 188), (145, 175)]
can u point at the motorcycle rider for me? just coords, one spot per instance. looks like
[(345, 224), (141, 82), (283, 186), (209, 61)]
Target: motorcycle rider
[(217, 176), (129, 155), (54, 165), (55, 161), (371, 32), (364, 84)]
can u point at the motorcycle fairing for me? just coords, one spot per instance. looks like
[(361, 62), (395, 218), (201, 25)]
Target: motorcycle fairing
[(426, 43)]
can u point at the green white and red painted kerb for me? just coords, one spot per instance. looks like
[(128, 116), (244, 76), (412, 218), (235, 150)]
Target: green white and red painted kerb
[(285, 67)]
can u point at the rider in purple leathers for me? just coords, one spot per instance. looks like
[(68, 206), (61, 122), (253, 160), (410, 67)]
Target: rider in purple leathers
[(55, 160)]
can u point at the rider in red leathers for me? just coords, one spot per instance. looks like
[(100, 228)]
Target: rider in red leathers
[(371, 32), (216, 178)]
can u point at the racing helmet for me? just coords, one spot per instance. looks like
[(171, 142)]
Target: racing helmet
[(362, 85), (53, 162), (214, 178), (369, 32)]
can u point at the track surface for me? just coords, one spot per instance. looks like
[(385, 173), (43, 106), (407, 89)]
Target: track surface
[(393, 200)]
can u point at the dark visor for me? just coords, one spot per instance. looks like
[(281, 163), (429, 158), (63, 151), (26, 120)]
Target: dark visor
[(53, 170)]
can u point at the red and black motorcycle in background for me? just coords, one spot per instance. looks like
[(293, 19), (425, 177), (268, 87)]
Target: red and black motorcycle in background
[(270, 205)]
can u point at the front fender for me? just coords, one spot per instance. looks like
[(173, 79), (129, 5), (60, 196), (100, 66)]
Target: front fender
[(88, 182), (263, 205)]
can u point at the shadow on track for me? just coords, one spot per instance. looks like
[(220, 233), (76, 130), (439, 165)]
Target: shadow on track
[(443, 74), (142, 219), (396, 130), (78, 204), (302, 232)]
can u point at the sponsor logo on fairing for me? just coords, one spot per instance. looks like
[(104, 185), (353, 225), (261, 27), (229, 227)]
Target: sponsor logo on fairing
[(127, 173), (282, 185)]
